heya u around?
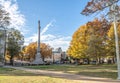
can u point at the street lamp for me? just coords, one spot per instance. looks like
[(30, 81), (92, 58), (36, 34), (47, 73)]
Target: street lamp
[(114, 12)]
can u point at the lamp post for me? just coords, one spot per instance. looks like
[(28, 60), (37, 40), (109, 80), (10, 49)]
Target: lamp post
[(114, 12)]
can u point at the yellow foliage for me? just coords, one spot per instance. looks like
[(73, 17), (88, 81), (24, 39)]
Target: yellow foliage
[(31, 50), (91, 32), (78, 43)]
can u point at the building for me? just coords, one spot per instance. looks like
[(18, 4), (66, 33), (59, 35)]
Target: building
[(57, 56)]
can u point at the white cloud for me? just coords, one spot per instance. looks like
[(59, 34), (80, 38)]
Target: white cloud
[(47, 37), (18, 22), (17, 19), (33, 38), (54, 41), (47, 26), (62, 42)]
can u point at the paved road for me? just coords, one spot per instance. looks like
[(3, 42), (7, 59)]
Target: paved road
[(83, 79)]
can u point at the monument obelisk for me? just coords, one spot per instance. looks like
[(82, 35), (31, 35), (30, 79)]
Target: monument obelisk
[(38, 60)]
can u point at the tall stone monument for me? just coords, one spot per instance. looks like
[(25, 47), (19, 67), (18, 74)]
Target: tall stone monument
[(38, 60)]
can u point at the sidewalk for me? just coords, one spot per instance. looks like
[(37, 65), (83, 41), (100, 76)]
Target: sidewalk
[(84, 79)]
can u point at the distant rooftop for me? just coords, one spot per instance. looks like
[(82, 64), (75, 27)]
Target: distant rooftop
[(57, 50)]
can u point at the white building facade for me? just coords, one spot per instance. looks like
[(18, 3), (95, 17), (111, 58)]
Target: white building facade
[(57, 56)]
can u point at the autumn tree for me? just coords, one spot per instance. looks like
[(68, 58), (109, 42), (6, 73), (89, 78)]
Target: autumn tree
[(22, 56), (111, 41), (89, 40), (78, 45), (98, 35), (31, 50), (97, 5), (46, 51), (94, 6)]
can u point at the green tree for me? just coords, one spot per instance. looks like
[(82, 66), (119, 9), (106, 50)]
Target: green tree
[(13, 44), (4, 17)]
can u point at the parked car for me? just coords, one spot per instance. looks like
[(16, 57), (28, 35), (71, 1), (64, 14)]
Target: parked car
[(93, 62), (1, 64)]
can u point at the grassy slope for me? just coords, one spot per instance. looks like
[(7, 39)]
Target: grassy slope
[(106, 71), (9, 75)]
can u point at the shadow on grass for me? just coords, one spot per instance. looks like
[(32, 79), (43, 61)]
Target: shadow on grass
[(112, 75), (15, 72), (88, 76)]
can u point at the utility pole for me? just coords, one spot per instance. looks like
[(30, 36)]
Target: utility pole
[(114, 13)]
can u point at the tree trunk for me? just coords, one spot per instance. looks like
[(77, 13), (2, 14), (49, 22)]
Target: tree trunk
[(11, 60), (43, 58), (97, 60), (88, 60)]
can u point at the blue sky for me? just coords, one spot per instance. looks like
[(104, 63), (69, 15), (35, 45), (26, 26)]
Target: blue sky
[(66, 14), (59, 19)]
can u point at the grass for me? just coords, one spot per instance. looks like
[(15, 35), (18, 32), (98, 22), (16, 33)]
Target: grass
[(104, 71), (9, 75), (14, 72)]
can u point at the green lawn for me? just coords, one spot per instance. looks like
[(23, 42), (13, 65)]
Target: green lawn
[(105, 71), (9, 75)]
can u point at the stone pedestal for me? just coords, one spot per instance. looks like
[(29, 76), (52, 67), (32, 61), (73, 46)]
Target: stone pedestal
[(38, 60)]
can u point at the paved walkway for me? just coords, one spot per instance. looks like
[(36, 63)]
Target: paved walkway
[(84, 79)]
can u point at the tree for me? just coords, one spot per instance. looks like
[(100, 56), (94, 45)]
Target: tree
[(46, 51), (97, 5), (98, 35), (13, 44), (111, 41), (96, 48), (4, 22), (4, 17), (78, 45), (89, 40), (31, 50)]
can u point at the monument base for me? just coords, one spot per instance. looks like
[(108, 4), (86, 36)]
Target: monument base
[(38, 60)]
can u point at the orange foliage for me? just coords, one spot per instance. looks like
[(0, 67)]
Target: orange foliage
[(31, 50)]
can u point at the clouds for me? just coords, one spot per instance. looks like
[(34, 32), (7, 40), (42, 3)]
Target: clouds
[(58, 41), (54, 41), (47, 26), (17, 19)]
